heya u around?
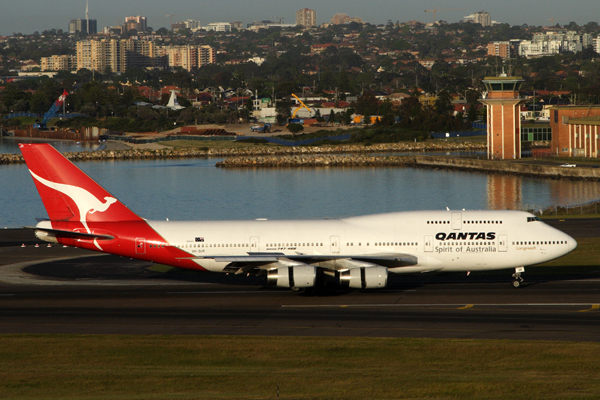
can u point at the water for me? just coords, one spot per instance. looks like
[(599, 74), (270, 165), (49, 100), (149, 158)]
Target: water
[(11, 145), (194, 189)]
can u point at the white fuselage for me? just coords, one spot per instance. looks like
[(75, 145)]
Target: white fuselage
[(440, 240)]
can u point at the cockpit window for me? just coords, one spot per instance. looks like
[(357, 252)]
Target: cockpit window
[(531, 219)]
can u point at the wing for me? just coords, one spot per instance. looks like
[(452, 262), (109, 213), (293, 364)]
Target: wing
[(260, 262), (71, 234)]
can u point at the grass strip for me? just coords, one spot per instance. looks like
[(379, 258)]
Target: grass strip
[(217, 367)]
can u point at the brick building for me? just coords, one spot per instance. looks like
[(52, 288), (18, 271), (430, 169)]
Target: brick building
[(575, 130), (499, 49)]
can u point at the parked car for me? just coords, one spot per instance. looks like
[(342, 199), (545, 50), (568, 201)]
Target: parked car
[(266, 128)]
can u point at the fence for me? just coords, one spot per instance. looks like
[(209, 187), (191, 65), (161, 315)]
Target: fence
[(140, 140), (580, 209), (34, 115), (442, 135)]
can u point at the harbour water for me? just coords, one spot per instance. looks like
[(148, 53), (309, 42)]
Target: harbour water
[(194, 189), (11, 145)]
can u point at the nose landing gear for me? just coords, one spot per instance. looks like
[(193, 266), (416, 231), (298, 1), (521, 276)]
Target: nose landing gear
[(517, 279)]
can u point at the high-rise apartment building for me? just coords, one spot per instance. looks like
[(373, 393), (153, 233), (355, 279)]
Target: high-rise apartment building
[(341, 19), (89, 26), (138, 23), (188, 57), (547, 43), (78, 25), (92, 26), (499, 49), (218, 27), (192, 24), (115, 55), (596, 44), (58, 63), (306, 17), (481, 17)]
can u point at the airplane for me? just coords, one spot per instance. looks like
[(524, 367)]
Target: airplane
[(356, 252)]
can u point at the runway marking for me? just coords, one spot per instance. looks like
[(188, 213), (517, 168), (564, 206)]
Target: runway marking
[(594, 307), (446, 305)]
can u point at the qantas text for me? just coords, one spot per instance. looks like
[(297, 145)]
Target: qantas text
[(466, 236)]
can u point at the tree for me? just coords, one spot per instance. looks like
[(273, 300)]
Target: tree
[(443, 103), (367, 104), (472, 113), (295, 128), (284, 111)]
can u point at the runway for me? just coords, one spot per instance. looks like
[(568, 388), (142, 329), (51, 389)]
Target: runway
[(83, 293)]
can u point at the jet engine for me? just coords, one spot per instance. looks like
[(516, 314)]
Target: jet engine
[(364, 278), (297, 276), (46, 236)]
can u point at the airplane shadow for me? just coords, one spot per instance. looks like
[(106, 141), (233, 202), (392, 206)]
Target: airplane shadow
[(110, 267)]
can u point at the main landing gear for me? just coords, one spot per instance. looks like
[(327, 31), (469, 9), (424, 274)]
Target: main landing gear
[(517, 280)]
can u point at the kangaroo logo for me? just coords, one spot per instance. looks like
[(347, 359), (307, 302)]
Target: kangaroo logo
[(85, 201)]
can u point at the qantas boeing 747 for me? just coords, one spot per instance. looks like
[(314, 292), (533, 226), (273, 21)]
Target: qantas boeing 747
[(357, 252)]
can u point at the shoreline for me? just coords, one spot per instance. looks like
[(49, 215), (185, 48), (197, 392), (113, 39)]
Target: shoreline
[(416, 161), (115, 150), (349, 155)]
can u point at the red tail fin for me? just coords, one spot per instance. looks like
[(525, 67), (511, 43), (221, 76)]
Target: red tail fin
[(67, 192)]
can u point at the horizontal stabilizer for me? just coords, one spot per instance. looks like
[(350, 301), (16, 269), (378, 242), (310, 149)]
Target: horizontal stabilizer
[(71, 234)]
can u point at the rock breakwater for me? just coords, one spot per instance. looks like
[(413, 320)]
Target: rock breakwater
[(435, 162), (255, 151)]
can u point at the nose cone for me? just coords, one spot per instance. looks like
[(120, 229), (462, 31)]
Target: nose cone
[(571, 243)]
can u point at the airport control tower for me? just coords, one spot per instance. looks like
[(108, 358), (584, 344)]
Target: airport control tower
[(502, 103)]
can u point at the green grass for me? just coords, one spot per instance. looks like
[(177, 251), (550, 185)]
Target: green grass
[(587, 253), (211, 144), (192, 367)]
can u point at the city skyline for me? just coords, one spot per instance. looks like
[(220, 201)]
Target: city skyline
[(33, 16)]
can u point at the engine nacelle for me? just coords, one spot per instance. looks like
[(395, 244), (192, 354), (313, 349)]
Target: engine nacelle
[(45, 236), (298, 276), (364, 278)]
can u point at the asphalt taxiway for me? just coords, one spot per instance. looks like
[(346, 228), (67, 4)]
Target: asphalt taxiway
[(66, 290)]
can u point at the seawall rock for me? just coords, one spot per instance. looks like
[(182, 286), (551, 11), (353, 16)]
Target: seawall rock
[(255, 151), (437, 162)]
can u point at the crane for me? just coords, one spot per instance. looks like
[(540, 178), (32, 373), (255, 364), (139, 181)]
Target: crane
[(171, 15), (435, 10), (302, 105), (552, 21), (52, 111)]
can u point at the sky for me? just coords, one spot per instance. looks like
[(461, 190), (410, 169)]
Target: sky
[(28, 16)]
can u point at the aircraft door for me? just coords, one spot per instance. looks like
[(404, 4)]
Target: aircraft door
[(254, 242), (456, 220), (335, 244), (502, 243), (140, 246), (428, 243)]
